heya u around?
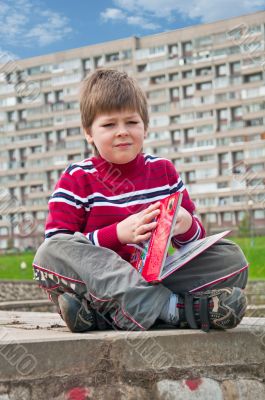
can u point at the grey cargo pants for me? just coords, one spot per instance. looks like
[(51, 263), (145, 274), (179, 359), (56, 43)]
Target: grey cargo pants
[(72, 263)]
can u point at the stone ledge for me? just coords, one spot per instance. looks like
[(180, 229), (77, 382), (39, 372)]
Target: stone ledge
[(37, 350)]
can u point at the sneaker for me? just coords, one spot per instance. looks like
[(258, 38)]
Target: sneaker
[(217, 308), (77, 313)]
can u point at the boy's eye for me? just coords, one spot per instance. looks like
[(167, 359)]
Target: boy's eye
[(108, 125), (133, 122)]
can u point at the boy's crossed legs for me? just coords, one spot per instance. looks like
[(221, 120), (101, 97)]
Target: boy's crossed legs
[(73, 271)]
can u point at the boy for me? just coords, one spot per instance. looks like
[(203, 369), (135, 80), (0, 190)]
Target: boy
[(107, 203)]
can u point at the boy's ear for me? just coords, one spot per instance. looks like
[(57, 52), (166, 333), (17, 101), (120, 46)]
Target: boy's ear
[(88, 136), (145, 133)]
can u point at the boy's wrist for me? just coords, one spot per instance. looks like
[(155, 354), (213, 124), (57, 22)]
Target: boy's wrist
[(189, 232), (119, 233), (108, 237)]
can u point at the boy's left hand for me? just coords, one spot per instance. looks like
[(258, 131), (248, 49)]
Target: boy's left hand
[(183, 223)]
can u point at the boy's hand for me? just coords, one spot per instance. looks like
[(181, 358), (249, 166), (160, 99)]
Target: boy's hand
[(138, 227), (183, 223)]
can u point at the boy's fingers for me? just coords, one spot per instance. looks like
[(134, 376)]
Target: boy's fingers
[(142, 238), (152, 207), (146, 228), (155, 205), (151, 215)]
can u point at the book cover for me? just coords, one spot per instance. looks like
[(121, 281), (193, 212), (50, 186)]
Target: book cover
[(149, 257)]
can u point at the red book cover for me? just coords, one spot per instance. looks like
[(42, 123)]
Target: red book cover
[(149, 257)]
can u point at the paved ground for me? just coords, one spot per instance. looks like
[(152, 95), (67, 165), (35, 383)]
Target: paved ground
[(37, 351)]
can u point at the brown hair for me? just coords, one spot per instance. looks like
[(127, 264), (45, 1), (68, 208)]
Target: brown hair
[(107, 90)]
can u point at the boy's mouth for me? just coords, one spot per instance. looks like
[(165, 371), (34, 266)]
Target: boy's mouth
[(123, 144)]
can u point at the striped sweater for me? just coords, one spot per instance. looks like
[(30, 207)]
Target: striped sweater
[(93, 196)]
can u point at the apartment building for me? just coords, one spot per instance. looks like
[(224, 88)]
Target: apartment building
[(206, 91)]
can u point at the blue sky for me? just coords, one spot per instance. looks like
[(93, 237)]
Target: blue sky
[(30, 28)]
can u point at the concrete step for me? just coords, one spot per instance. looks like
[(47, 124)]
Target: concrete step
[(40, 360)]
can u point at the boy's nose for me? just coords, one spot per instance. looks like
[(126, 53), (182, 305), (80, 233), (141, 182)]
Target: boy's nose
[(122, 130)]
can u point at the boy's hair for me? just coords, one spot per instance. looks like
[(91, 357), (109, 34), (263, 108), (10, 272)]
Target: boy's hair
[(107, 90)]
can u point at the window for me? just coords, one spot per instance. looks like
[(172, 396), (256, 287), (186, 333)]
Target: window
[(203, 41), (49, 98), (255, 107), (174, 93), (87, 64), (175, 119), (235, 68), (188, 91), (187, 47), (157, 50), (173, 50), (203, 71), (156, 94), (204, 85), (162, 120), (176, 135), (222, 114), (253, 77), (174, 77), (237, 113), (227, 217), (158, 79), (189, 135), (204, 129), (112, 57), (99, 61), (222, 185), (164, 107), (259, 214), (221, 70), (254, 122), (187, 74), (190, 176), (211, 217)]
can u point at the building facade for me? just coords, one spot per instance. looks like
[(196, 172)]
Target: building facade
[(206, 92)]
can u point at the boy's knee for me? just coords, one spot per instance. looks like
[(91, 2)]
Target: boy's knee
[(235, 252), (49, 249)]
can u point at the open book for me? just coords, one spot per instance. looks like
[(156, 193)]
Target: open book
[(151, 257)]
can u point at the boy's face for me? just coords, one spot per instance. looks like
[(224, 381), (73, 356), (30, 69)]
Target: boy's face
[(118, 135)]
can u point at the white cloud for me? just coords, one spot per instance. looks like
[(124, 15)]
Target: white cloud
[(113, 14), (140, 21), (17, 27), (118, 15), (204, 10)]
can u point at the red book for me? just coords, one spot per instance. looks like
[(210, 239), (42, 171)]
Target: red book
[(151, 257)]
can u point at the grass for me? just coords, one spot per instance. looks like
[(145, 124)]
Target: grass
[(10, 266), (254, 250)]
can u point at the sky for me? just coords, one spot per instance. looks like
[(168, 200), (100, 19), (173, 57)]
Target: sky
[(30, 28)]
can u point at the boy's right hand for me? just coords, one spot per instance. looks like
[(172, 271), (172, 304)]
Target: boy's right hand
[(138, 227)]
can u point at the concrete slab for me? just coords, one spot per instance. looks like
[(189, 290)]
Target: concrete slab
[(37, 350)]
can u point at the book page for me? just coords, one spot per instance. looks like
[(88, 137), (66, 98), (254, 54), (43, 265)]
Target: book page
[(188, 252)]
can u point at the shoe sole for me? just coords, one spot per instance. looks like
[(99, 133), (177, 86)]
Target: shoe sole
[(74, 323), (232, 308)]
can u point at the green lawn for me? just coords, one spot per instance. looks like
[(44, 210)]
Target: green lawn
[(10, 264), (254, 251)]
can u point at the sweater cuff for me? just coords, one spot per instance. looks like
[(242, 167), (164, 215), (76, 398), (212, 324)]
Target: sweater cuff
[(192, 234), (107, 237)]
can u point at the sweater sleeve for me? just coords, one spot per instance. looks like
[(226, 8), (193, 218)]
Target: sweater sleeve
[(196, 230), (68, 209), (106, 237)]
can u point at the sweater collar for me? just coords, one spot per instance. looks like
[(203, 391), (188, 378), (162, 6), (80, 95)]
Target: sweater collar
[(119, 170)]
